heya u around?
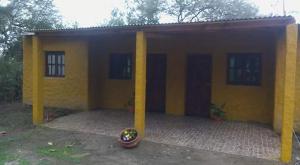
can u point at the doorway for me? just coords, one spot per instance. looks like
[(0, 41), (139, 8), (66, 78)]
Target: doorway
[(156, 83), (198, 85)]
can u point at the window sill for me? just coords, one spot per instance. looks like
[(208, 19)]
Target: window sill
[(54, 78), (245, 85)]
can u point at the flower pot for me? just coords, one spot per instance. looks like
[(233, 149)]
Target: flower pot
[(131, 109), (216, 118), (129, 144)]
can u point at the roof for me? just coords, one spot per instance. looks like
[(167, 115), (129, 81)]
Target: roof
[(245, 23)]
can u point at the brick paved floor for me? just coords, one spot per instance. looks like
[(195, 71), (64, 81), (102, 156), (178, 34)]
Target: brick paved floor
[(239, 138)]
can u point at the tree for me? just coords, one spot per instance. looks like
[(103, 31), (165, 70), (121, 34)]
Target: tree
[(201, 10), (17, 17), (117, 18), (138, 12), (10, 80), (144, 11), (232, 9), (21, 15), (150, 11)]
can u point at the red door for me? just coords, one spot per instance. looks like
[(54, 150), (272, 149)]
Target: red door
[(156, 83), (198, 85)]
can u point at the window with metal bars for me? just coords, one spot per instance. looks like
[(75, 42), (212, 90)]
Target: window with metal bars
[(55, 64), (244, 69), (120, 66)]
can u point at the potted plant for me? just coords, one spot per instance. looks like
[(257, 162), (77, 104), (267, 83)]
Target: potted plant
[(217, 112), (129, 138), (130, 104)]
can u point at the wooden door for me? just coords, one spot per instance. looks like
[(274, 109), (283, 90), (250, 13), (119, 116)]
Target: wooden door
[(156, 83), (198, 85)]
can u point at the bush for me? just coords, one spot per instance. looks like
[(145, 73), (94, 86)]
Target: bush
[(10, 80)]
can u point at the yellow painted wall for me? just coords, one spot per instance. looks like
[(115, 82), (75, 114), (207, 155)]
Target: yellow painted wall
[(70, 91), (105, 92), (297, 110), (245, 103)]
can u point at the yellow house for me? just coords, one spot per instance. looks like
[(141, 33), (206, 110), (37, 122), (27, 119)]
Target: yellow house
[(177, 69)]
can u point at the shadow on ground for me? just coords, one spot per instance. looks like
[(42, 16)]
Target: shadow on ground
[(26, 145)]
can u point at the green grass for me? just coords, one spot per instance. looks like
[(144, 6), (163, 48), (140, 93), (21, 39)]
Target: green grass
[(9, 142), (24, 162), (15, 117), (45, 162), (16, 120), (63, 153), (6, 156)]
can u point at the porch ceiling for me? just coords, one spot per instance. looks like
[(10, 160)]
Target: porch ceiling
[(203, 26)]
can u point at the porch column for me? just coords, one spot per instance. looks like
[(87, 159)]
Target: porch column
[(37, 78), (285, 88), (140, 83)]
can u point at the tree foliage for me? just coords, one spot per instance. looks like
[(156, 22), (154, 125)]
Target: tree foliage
[(144, 11), (150, 11), (138, 12), (17, 17), (21, 15), (200, 10), (10, 80), (117, 18)]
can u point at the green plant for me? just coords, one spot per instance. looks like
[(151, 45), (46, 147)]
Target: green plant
[(217, 111), (129, 135), (10, 80), (130, 102)]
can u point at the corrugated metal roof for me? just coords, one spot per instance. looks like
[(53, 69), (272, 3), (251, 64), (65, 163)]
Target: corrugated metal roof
[(288, 19)]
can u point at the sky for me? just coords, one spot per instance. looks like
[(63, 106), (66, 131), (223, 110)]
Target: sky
[(95, 12)]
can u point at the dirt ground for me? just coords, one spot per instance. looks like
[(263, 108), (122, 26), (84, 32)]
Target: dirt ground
[(26, 144)]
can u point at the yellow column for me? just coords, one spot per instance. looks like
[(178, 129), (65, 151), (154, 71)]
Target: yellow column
[(37, 78), (291, 38), (140, 83)]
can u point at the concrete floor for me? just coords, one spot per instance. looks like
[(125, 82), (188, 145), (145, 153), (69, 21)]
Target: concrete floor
[(238, 138)]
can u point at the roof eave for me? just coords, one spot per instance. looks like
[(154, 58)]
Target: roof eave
[(28, 34), (270, 22)]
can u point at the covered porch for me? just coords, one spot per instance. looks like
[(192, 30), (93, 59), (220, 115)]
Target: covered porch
[(271, 101), (239, 138)]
